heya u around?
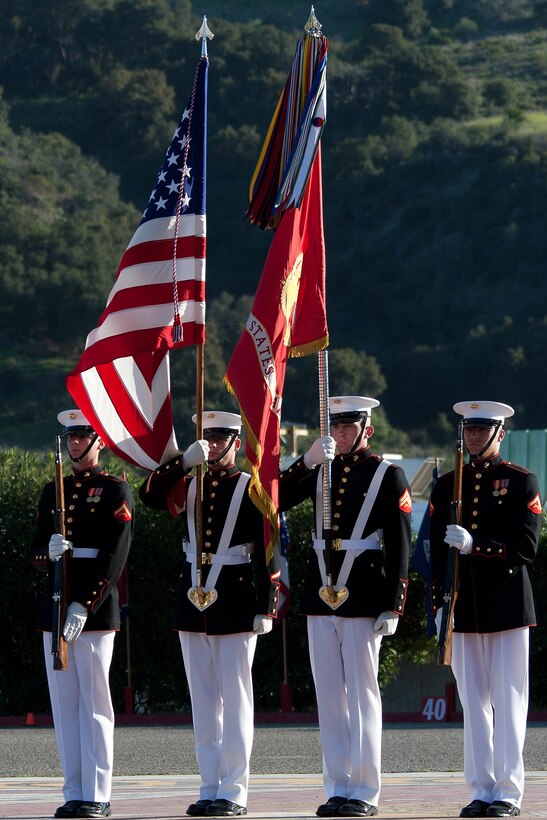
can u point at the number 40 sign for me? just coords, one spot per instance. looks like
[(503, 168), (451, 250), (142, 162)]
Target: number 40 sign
[(434, 709)]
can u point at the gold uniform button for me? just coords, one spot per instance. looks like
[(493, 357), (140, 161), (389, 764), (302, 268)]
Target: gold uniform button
[(478, 475), (75, 495), (346, 469), (341, 490), (78, 484), (475, 500), (338, 502), (208, 532), (510, 571), (344, 480), (207, 543), (214, 483), (488, 549), (212, 495), (69, 532), (88, 603), (336, 527), (477, 486), (70, 520), (474, 526), (72, 507), (337, 515)]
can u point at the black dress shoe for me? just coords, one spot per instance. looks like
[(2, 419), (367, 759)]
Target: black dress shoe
[(477, 808), (224, 808), (69, 809), (198, 809), (357, 808), (499, 808), (88, 809), (330, 808)]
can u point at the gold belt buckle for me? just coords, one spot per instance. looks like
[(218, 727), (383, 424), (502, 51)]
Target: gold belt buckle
[(336, 544), (207, 558)]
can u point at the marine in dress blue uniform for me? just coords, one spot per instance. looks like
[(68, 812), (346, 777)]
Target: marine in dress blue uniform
[(99, 521), (218, 636), (498, 540), (371, 506)]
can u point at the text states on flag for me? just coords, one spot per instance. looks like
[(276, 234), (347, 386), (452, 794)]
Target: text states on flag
[(121, 381)]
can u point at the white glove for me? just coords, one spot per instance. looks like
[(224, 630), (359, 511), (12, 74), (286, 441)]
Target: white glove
[(386, 623), (58, 545), (322, 449), (262, 625), (197, 453), (438, 621), (458, 537), (76, 616)]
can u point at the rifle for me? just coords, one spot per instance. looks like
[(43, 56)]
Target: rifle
[(60, 584), (444, 652)]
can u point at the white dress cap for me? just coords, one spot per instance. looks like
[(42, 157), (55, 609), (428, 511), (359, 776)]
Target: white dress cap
[(73, 420), (219, 420), (351, 407), (483, 412)]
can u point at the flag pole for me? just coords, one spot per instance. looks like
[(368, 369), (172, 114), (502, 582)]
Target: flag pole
[(203, 33), (324, 426)]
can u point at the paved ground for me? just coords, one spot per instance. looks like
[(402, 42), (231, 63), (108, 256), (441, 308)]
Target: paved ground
[(285, 783)]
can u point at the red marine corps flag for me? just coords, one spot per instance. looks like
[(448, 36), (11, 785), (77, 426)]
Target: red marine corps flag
[(121, 382), (288, 316)]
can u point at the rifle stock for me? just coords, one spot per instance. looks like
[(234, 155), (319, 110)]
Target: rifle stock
[(444, 652), (60, 585)]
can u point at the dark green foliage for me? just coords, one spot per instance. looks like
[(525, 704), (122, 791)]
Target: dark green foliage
[(538, 636), (434, 189)]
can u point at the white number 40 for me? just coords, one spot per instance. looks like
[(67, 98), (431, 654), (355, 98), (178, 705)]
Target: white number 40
[(434, 708)]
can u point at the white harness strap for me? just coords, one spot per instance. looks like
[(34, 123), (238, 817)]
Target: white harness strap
[(227, 531), (352, 550)]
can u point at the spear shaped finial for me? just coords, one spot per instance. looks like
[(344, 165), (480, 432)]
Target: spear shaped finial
[(313, 26), (203, 34)]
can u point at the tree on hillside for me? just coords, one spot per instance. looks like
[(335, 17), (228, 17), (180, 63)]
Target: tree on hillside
[(408, 15), (62, 232)]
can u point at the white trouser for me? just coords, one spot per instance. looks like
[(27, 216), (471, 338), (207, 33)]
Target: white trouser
[(344, 655), (83, 715), (491, 671), (218, 669)]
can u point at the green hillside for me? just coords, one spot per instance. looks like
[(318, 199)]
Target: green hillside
[(435, 165)]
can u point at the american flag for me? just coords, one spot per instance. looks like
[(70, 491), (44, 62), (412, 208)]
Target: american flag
[(121, 382)]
